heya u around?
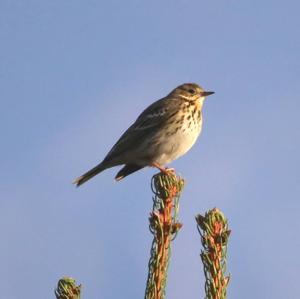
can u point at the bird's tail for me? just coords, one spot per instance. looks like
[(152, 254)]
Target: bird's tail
[(88, 175), (127, 170)]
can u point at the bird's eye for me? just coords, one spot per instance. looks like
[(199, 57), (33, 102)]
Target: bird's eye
[(191, 91)]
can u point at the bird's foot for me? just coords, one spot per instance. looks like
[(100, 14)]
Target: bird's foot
[(164, 170)]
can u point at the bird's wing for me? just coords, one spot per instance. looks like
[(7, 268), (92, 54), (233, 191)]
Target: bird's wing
[(153, 117)]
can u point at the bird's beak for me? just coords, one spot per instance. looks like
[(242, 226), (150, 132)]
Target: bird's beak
[(207, 93)]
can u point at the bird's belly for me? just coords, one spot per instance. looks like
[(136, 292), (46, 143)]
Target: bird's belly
[(177, 145)]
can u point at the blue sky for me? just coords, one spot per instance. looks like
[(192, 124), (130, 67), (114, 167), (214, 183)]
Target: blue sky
[(75, 74)]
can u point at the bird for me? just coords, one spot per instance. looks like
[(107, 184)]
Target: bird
[(163, 132)]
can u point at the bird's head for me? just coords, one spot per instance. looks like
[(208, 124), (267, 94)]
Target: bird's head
[(191, 92)]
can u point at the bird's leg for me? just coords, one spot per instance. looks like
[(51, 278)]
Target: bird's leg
[(163, 169)]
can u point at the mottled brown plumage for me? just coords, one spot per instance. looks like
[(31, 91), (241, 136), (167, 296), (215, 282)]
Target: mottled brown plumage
[(164, 131)]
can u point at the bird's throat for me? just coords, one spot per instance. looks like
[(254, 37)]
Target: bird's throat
[(199, 103)]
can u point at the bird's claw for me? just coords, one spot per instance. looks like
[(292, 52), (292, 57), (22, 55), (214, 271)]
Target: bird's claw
[(168, 171), (164, 170)]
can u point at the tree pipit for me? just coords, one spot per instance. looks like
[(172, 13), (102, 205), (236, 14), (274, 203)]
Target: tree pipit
[(166, 130)]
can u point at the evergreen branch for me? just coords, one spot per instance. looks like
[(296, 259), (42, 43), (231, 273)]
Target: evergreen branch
[(213, 228), (67, 289), (164, 226)]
